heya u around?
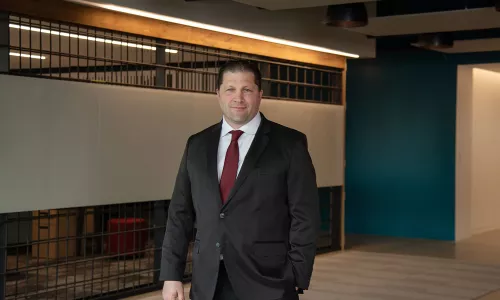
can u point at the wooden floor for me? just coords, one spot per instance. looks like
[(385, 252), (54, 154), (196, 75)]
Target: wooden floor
[(375, 268)]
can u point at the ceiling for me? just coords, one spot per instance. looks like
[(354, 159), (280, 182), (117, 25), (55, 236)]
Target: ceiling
[(474, 24), (443, 21), (293, 4), (490, 67)]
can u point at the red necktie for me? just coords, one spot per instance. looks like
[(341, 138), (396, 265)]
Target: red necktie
[(230, 170)]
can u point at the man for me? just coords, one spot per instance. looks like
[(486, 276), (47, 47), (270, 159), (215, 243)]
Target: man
[(250, 186)]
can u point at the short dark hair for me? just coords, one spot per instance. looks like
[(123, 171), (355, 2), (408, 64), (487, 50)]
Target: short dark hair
[(240, 66)]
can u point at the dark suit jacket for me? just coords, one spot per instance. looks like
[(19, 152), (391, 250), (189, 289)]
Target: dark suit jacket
[(267, 229)]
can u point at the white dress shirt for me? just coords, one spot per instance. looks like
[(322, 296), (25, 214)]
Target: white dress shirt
[(244, 142)]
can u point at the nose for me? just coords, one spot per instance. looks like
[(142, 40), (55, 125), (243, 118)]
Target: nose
[(238, 96)]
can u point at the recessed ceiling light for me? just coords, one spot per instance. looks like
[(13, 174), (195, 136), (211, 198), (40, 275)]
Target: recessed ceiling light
[(212, 27), (346, 15)]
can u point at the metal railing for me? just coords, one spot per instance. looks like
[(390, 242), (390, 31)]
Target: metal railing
[(92, 252), (74, 52)]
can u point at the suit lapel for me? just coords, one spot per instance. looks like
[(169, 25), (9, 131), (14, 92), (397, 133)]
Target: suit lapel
[(258, 146), (212, 152)]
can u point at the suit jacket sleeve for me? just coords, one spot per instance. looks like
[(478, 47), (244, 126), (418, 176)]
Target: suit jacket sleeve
[(305, 215), (179, 229)]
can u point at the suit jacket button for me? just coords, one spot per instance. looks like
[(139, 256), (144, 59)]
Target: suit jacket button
[(217, 245), (222, 215)]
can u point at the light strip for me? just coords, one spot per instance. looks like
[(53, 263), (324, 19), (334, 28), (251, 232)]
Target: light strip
[(211, 27), (26, 55), (84, 37)]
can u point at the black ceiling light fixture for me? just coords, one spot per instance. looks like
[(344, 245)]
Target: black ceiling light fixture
[(346, 15), (441, 40)]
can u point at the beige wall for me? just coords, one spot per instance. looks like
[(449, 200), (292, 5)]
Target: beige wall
[(485, 151), (463, 174), (478, 151), (68, 144)]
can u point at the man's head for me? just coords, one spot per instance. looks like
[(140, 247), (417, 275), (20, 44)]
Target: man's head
[(239, 92)]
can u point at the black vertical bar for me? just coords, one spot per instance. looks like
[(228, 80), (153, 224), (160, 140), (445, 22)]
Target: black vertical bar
[(3, 255), (18, 242), (194, 75), (330, 91), (50, 49), (321, 89), (136, 81), (120, 48), (149, 256), (125, 251), (314, 82), (84, 210), (57, 247), (30, 47), (112, 59), (118, 246), (38, 251), (126, 48), (160, 80), (182, 72), (101, 213), (140, 240), (60, 52), (278, 85), (336, 193), (40, 33), (28, 233), (95, 56), (4, 44), (92, 246), (87, 59), (142, 61), (47, 257), (109, 238), (159, 233), (20, 45), (288, 80), (134, 242), (68, 212)]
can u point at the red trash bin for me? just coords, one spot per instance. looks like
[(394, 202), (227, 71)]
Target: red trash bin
[(126, 237)]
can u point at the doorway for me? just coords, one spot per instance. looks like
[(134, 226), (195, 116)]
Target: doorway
[(478, 153)]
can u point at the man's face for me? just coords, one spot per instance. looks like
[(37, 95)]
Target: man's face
[(239, 98)]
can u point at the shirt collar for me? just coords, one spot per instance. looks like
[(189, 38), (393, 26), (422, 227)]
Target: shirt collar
[(249, 128)]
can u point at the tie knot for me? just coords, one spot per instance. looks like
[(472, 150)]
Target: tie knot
[(236, 135)]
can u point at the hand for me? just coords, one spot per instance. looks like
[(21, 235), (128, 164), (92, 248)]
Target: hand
[(173, 290)]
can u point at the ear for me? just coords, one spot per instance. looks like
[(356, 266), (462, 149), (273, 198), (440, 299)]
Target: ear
[(217, 92), (261, 93)]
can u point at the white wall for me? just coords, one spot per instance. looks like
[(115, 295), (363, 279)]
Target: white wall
[(478, 148), (69, 144), (463, 173), (299, 25), (485, 151)]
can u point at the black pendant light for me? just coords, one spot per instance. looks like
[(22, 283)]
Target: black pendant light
[(442, 40), (346, 15)]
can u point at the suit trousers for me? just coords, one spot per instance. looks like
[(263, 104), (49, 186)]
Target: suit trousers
[(224, 289)]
